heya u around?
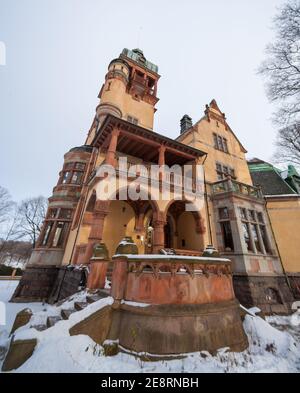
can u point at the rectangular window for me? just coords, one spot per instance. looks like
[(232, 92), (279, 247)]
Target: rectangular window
[(243, 213), (53, 213), (224, 171), (246, 234), (223, 213), (252, 215), (60, 232), (80, 166), (265, 238), (260, 217), (232, 172), (132, 119), (255, 237), (65, 213), (77, 178), (66, 177), (227, 236), (219, 171), (47, 233), (220, 143), (216, 141), (225, 145)]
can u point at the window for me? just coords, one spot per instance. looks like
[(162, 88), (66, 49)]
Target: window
[(227, 236), (254, 230), (47, 233), (252, 215), (223, 213), (226, 229), (132, 119), (223, 171), (243, 213), (264, 238), (247, 239), (59, 235), (56, 228), (72, 173), (220, 143), (255, 237), (260, 217), (216, 141)]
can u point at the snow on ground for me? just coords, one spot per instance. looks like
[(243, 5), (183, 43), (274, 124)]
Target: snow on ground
[(271, 348)]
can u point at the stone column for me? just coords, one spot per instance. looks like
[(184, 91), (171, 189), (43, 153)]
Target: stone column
[(111, 152), (96, 234), (159, 235), (161, 160)]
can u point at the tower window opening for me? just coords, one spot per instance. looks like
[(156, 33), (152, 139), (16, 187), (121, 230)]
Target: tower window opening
[(132, 119), (72, 173), (56, 228)]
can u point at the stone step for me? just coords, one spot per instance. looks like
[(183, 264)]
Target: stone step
[(66, 313), (100, 294), (51, 321), (40, 328), (80, 305)]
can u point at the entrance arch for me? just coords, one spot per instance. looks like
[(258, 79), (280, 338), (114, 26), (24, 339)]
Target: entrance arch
[(184, 229)]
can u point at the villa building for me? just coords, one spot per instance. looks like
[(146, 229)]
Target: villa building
[(237, 216)]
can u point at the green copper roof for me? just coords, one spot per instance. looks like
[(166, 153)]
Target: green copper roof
[(261, 166), (137, 55), (292, 171)]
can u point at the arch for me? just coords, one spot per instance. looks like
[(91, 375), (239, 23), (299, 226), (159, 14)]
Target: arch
[(189, 227)]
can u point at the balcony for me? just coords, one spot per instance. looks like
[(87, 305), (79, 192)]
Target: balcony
[(230, 185)]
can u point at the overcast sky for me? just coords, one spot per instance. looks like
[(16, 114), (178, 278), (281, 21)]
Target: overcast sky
[(57, 53)]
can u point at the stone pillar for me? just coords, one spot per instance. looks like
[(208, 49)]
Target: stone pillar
[(161, 160), (98, 267), (111, 152), (119, 278), (96, 234), (159, 235)]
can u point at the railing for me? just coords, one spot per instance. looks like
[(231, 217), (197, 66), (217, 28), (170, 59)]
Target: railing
[(149, 170), (229, 185)]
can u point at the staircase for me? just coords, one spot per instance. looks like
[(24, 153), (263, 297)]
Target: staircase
[(78, 306)]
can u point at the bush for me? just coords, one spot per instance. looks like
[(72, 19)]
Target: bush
[(8, 271)]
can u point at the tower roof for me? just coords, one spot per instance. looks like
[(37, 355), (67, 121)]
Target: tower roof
[(138, 57)]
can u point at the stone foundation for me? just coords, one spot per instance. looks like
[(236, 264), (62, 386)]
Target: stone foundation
[(68, 282), (270, 293), (178, 329), (48, 284), (36, 284)]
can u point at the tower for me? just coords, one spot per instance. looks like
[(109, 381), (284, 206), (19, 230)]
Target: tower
[(129, 91)]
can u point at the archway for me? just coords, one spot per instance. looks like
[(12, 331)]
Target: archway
[(184, 229)]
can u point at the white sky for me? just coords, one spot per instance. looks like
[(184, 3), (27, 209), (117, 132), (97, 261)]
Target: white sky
[(57, 53)]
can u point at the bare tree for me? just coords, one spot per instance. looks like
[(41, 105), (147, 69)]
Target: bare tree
[(288, 145), (32, 213), (282, 66), (6, 205)]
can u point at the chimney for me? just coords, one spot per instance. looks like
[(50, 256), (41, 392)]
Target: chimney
[(185, 123)]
